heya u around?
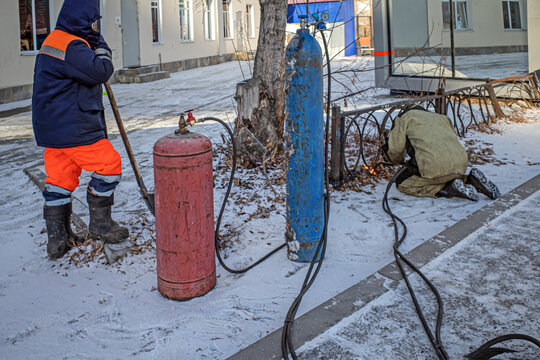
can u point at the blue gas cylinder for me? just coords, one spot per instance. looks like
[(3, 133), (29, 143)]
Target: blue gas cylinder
[(304, 139)]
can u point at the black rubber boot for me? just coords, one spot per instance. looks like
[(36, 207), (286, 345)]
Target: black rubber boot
[(102, 226), (61, 237), (457, 188), (477, 179)]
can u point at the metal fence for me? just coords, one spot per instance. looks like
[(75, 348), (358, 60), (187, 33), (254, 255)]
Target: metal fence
[(357, 135)]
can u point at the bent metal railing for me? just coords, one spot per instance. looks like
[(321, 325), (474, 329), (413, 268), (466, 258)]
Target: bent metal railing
[(357, 135)]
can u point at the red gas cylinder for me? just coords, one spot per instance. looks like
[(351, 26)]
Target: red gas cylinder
[(183, 180)]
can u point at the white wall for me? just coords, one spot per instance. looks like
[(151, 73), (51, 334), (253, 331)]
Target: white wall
[(172, 48), (533, 24), (228, 45), (486, 25), (17, 69), (409, 23), (111, 28)]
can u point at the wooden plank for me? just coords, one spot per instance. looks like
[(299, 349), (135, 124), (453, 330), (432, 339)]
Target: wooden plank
[(38, 177)]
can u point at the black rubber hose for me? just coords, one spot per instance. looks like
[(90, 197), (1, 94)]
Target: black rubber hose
[(435, 340), (224, 203), (286, 335), (486, 351)]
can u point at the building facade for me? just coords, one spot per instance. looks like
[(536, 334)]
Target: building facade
[(481, 26), (178, 34), (415, 46), (533, 32)]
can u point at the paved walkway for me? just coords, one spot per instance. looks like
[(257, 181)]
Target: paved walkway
[(487, 269)]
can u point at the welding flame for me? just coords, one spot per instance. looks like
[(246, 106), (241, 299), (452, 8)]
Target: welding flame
[(370, 170)]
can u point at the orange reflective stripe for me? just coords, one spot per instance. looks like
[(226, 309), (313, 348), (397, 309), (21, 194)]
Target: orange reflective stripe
[(60, 39), (56, 43), (383, 53)]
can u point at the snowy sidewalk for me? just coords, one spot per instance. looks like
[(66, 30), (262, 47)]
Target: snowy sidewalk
[(486, 268), (91, 310), (81, 308)]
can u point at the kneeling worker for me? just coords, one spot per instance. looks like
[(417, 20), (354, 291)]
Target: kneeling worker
[(438, 162), (68, 121)]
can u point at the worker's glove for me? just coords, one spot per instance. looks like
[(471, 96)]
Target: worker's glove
[(93, 38), (102, 50)]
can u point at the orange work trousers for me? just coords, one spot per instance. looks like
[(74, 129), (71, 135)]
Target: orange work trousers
[(64, 166)]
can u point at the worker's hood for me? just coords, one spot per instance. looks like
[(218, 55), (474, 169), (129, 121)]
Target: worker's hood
[(76, 17)]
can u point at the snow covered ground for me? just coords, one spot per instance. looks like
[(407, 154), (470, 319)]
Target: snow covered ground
[(91, 310), (489, 287)]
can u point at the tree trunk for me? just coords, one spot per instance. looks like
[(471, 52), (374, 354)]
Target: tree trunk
[(261, 99)]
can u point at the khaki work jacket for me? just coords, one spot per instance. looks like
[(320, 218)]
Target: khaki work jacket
[(437, 149)]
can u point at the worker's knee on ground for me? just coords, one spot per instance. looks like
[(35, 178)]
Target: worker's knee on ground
[(426, 187), (419, 190)]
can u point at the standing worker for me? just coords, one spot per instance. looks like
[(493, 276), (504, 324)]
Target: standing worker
[(68, 120), (437, 161)]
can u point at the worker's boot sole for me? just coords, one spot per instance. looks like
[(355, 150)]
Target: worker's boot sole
[(477, 179), (464, 191)]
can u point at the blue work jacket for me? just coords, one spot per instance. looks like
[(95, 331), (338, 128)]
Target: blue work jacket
[(73, 62)]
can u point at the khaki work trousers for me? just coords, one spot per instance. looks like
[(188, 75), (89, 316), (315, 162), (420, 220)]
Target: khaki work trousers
[(419, 186)]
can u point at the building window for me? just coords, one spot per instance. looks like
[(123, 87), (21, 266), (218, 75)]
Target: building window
[(227, 19), (461, 17), (34, 23), (250, 29), (208, 20), (511, 14), (154, 6), (185, 20)]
